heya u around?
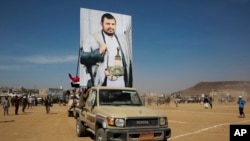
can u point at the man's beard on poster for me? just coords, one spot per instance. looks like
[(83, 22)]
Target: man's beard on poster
[(110, 34)]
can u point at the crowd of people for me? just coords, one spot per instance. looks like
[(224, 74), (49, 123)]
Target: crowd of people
[(24, 101), (27, 102), (205, 100)]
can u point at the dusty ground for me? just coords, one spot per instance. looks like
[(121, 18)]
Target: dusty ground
[(189, 122)]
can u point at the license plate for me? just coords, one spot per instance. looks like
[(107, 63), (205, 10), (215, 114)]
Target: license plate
[(146, 136)]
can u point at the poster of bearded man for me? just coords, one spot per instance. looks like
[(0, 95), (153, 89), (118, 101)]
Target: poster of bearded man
[(105, 49)]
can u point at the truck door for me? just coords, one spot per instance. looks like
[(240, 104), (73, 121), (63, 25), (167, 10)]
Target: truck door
[(91, 103)]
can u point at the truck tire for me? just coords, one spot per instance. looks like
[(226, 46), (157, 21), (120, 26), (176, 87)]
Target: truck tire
[(80, 128), (100, 135)]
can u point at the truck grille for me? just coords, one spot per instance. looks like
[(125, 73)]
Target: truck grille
[(142, 122)]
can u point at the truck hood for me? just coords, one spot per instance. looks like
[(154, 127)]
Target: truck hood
[(129, 111)]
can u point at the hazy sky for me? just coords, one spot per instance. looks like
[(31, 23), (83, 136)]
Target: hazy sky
[(176, 43)]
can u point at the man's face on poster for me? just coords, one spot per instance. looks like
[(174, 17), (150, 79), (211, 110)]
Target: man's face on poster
[(109, 26)]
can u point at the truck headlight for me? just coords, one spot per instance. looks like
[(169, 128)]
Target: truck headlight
[(119, 122), (163, 121), (110, 121)]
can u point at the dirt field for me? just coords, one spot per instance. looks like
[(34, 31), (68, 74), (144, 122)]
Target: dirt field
[(189, 122)]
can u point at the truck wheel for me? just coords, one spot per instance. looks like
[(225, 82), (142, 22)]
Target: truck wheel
[(100, 135), (80, 128)]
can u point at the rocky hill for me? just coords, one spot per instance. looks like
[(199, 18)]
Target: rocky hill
[(219, 87)]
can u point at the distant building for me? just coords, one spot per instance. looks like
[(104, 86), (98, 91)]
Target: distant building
[(52, 92), (43, 92)]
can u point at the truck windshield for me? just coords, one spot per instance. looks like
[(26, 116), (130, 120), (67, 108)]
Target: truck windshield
[(119, 97)]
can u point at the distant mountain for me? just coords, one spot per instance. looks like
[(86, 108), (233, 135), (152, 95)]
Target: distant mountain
[(237, 87)]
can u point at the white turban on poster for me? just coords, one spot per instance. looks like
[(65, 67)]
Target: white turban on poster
[(114, 67)]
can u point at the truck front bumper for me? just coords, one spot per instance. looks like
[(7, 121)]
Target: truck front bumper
[(156, 134)]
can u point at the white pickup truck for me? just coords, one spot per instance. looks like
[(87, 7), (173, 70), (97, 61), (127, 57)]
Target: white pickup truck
[(117, 113)]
